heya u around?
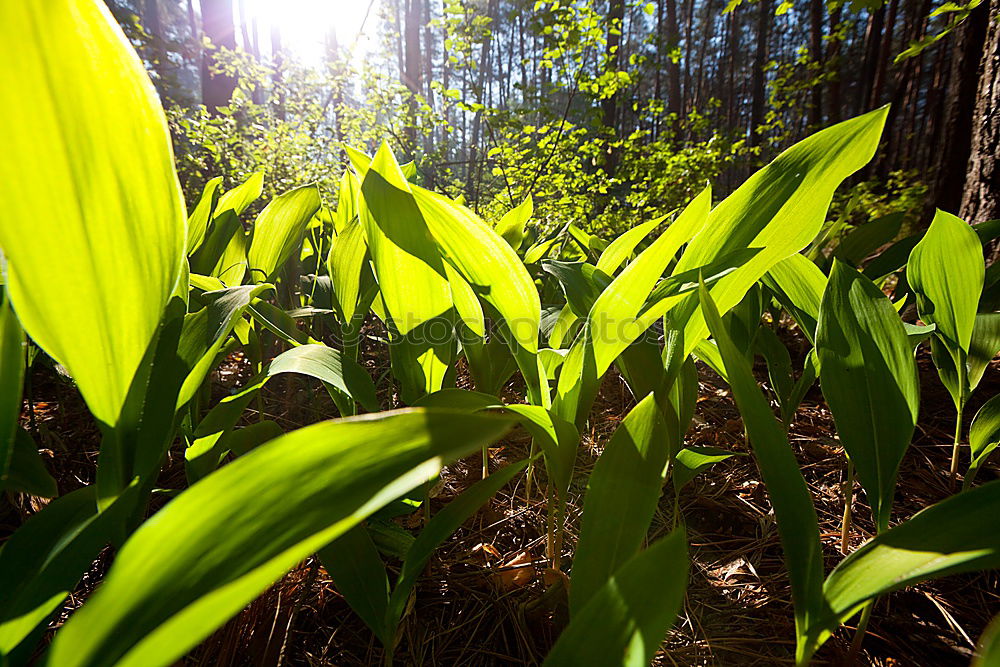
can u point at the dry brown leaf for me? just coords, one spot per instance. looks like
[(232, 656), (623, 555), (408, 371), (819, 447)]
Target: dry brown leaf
[(515, 573)]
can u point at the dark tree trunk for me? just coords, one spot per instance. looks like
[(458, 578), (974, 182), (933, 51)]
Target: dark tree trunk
[(832, 65), (873, 39), (217, 24), (981, 201), (673, 64), (758, 93), (959, 103), (816, 11), (609, 105)]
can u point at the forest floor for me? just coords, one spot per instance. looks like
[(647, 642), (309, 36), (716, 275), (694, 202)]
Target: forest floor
[(483, 599)]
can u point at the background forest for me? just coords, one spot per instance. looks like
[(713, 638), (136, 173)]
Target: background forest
[(605, 112)]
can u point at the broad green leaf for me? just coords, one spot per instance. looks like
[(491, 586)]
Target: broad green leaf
[(622, 247), (239, 198), (202, 213), (495, 273), (630, 614), (27, 471), (798, 285), (789, 495), (580, 282), (622, 495), (344, 379), (41, 563), (410, 273), (892, 258), (988, 646), (614, 319), (958, 534), (227, 538), (539, 250), (86, 142), (779, 369), (347, 199), (869, 379), (345, 265), (984, 346), (358, 573), (865, 239), (206, 330), (12, 359), (984, 435), (511, 225), (278, 230), (692, 461), (946, 271), (558, 439), (779, 209)]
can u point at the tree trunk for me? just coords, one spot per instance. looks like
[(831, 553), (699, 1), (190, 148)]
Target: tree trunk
[(960, 101), (816, 11), (217, 24), (981, 201), (609, 105), (412, 74), (873, 38), (758, 93), (832, 63), (673, 64)]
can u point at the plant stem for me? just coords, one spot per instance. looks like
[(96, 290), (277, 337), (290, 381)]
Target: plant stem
[(958, 439), (530, 472), (859, 635), (486, 461), (848, 492)]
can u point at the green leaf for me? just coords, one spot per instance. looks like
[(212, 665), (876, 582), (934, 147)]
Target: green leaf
[(345, 264), (958, 534), (85, 141), (511, 225), (558, 439), (239, 198), (358, 573), (495, 273), (622, 247), (622, 495), (12, 351), (27, 471), (278, 230), (779, 209), (42, 561), (865, 239), (629, 615), (692, 461), (614, 319), (202, 213), (988, 646), (984, 436), (983, 347), (869, 379), (946, 271), (793, 507), (226, 539), (410, 272), (798, 285), (206, 330)]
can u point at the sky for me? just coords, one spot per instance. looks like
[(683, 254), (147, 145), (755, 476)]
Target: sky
[(305, 23)]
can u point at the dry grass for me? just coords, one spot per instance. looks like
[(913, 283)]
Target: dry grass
[(737, 609)]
